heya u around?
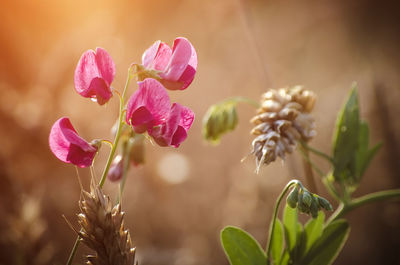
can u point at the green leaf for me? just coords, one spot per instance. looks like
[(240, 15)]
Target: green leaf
[(327, 247), (277, 242), (346, 138), (290, 225), (241, 248), (313, 230), (285, 258), (364, 154)]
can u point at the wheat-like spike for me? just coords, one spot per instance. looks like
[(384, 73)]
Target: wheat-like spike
[(102, 229), (282, 120)]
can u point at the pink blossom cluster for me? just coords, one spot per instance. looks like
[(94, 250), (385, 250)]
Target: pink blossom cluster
[(149, 109)]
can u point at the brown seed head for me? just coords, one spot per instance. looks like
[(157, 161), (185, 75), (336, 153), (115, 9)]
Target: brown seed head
[(102, 230), (283, 119)]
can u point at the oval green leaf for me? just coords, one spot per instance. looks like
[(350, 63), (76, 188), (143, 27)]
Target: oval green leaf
[(241, 248)]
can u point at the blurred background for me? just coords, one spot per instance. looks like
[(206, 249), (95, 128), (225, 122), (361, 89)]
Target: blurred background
[(179, 201)]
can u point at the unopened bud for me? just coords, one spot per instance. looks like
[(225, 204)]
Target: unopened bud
[(314, 208), (219, 119), (307, 199), (116, 169), (293, 197), (325, 204)]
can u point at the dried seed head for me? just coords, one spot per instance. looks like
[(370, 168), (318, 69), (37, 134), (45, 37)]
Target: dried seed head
[(102, 230), (283, 119)]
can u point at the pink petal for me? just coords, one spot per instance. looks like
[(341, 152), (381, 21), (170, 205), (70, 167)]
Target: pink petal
[(163, 135), (105, 65), (181, 69), (187, 118), (94, 75), (68, 146), (174, 131), (181, 55), (149, 55), (149, 106), (157, 56)]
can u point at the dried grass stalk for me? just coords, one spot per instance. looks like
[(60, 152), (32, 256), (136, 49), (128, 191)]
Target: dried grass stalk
[(102, 229)]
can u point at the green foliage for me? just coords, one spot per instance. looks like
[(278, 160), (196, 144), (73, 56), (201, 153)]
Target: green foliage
[(291, 244), (313, 230), (346, 139), (351, 154), (326, 248), (290, 222), (241, 248), (277, 242), (364, 155)]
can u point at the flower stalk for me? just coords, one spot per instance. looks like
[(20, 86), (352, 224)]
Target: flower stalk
[(110, 157), (274, 216)]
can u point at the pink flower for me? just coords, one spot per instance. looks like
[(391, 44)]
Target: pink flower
[(148, 107), (177, 66), (94, 74), (174, 130), (68, 146)]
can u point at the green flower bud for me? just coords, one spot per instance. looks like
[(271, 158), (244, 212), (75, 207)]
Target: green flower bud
[(293, 197), (301, 205), (307, 198), (219, 119), (314, 208), (325, 204)]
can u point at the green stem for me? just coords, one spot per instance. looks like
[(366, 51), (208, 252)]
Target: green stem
[(308, 171), (355, 203), (317, 152), (312, 164), (272, 226), (126, 156), (244, 100), (332, 191), (110, 157), (118, 135)]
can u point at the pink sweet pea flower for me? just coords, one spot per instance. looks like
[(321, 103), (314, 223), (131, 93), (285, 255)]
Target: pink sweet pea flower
[(148, 107), (174, 130), (68, 146), (94, 74), (176, 66)]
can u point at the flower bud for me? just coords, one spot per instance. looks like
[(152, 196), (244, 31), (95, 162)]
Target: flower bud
[(219, 119), (307, 199), (314, 208), (293, 197), (116, 169), (325, 204)]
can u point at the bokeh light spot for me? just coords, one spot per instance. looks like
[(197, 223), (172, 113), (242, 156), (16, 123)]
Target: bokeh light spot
[(173, 168)]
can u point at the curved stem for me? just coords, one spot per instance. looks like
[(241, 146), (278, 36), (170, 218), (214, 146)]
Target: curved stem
[(110, 156), (272, 226), (355, 203), (244, 100)]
